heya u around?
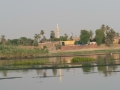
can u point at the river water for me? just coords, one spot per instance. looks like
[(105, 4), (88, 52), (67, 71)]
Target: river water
[(81, 78), (97, 78)]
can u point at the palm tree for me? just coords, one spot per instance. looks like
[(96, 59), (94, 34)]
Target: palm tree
[(66, 36), (42, 32)]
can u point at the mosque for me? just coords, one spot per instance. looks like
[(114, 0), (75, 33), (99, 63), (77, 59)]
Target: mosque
[(63, 43)]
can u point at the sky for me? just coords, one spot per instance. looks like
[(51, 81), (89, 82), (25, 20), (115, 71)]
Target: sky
[(24, 18)]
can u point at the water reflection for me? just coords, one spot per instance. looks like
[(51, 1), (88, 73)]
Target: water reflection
[(5, 73), (54, 72), (39, 71), (105, 70), (106, 64), (10, 78)]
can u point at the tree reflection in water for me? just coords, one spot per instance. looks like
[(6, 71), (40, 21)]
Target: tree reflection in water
[(5, 73), (39, 71), (54, 72), (87, 67)]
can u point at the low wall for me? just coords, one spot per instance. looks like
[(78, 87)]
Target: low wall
[(75, 47)]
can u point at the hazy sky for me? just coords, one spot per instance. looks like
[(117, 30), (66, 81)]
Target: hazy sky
[(19, 18)]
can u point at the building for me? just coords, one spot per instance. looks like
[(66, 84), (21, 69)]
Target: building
[(57, 31), (64, 43), (116, 39)]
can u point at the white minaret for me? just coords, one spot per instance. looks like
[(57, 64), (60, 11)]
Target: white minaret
[(57, 32)]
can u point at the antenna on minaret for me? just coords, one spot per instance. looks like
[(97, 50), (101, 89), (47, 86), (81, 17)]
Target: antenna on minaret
[(57, 32)]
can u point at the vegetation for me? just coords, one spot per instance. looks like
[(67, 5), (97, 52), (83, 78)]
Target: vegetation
[(82, 59), (84, 37), (86, 52), (14, 42), (109, 37), (8, 52), (52, 35), (11, 48), (30, 62), (99, 36), (66, 36), (58, 46), (35, 43), (43, 37), (91, 34), (3, 40)]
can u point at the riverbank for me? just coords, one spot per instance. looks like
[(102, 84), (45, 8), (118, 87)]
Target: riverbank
[(99, 50), (8, 52), (17, 52)]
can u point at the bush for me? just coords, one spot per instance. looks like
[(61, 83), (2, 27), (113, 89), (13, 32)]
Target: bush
[(9, 52), (82, 59)]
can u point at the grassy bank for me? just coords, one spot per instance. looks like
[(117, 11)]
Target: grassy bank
[(108, 51), (10, 52), (16, 52)]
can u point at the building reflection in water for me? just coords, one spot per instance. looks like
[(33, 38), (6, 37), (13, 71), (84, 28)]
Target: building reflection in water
[(60, 74)]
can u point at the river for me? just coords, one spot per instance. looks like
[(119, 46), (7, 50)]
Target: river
[(82, 78)]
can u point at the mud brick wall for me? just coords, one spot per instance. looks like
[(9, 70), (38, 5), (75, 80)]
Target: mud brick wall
[(75, 47)]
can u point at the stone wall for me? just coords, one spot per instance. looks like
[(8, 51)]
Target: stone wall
[(76, 47)]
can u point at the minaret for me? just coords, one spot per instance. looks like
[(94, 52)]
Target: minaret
[(57, 32)]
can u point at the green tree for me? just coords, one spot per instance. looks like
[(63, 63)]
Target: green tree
[(66, 36), (107, 29), (99, 36), (52, 35), (43, 37), (30, 41), (36, 37), (103, 28), (35, 43), (13, 42), (85, 36), (23, 41), (110, 37)]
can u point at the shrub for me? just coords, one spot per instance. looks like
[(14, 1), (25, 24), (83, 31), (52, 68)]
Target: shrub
[(82, 59)]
